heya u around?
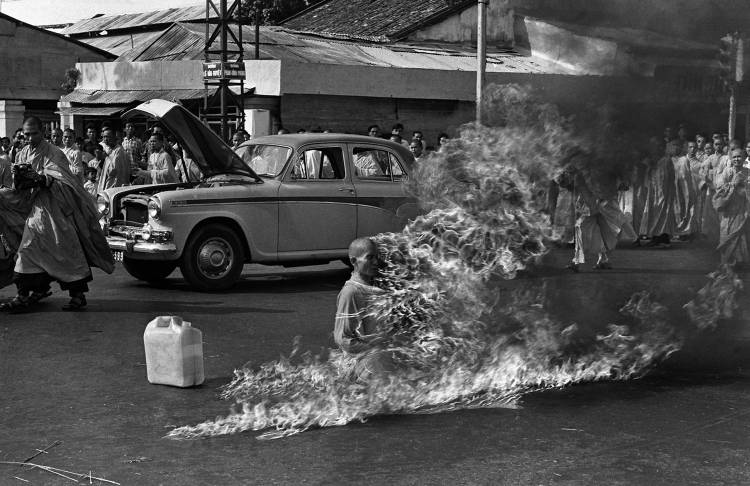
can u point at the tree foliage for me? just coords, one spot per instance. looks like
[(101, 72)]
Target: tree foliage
[(273, 12)]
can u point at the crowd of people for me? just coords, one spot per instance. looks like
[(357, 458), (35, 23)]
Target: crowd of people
[(685, 188), (107, 158)]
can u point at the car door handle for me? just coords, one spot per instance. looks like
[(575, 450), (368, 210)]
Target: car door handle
[(342, 189)]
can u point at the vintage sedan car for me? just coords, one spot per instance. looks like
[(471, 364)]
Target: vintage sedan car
[(288, 200)]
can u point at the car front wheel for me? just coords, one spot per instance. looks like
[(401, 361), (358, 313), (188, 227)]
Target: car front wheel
[(213, 258), (148, 271)]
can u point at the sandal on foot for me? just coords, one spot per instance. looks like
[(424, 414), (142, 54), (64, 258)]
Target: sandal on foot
[(572, 266), (603, 266), (15, 305), (76, 303), (36, 296)]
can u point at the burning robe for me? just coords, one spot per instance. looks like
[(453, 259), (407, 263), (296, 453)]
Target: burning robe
[(353, 327), (61, 235), (685, 195), (658, 212), (732, 201)]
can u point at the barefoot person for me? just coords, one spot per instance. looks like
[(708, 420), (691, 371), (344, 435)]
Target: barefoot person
[(61, 238), (354, 331)]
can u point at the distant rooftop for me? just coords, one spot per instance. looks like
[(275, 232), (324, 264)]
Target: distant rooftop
[(382, 20), (146, 20)]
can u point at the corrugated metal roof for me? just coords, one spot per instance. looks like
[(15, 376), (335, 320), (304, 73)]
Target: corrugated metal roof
[(373, 19), (138, 20), (120, 44), (107, 97), (91, 110), (176, 43), (185, 42)]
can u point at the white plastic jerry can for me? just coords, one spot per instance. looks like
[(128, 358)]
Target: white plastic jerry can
[(174, 352)]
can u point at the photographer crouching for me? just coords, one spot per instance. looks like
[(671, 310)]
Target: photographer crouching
[(61, 238)]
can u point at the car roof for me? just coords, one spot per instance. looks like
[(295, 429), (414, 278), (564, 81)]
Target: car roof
[(298, 139)]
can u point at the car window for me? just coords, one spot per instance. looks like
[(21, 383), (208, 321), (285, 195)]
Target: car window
[(376, 165), (319, 163), (266, 160)]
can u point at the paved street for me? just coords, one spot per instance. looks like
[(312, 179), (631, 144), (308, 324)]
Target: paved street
[(80, 379)]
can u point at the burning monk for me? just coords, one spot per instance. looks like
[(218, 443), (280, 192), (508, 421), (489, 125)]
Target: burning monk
[(732, 201), (354, 331), (60, 239)]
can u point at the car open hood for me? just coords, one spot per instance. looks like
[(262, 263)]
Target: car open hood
[(209, 152)]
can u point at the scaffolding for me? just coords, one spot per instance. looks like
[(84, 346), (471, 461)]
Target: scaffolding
[(224, 67)]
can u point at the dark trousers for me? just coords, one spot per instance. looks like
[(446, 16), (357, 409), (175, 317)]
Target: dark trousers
[(40, 282)]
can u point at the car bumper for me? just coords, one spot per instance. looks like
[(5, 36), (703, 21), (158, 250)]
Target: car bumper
[(142, 250)]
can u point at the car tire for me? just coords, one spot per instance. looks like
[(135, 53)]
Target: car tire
[(213, 258), (148, 270)]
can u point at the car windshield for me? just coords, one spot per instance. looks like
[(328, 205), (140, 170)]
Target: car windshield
[(266, 160)]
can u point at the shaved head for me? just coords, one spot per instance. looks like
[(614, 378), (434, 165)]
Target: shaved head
[(360, 246)]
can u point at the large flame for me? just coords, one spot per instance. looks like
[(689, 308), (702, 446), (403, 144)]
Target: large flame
[(454, 344)]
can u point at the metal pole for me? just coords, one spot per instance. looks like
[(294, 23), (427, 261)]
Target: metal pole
[(257, 30), (223, 85), (481, 54)]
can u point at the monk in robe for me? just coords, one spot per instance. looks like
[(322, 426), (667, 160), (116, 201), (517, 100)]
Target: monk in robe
[(732, 201), (707, 216), (659, 216), (685, 191), (600, 220), (60, 238), (160, 168)]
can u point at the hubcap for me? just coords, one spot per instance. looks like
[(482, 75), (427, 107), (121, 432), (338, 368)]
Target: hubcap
[(215, 258)]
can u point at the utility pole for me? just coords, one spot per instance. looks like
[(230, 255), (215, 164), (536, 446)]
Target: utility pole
[(224, 66), (481, 54)]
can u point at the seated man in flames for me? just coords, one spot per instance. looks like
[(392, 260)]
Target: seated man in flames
[(355, 332)]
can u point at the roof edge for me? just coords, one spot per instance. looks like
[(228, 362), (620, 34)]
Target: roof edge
[(79, 43), (302, 12)]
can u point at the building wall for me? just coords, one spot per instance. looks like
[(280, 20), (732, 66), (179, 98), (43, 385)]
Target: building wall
[(33, 63), (462, 27), (353, 114), (141, 75)]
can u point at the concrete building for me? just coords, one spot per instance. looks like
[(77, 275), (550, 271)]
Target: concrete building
[(33, 64)]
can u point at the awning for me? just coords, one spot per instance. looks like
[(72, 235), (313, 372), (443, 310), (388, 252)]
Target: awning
[(91, 110), (111, 96)]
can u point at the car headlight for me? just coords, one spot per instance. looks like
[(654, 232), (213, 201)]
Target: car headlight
[(102, 204), (154, 208), (146, 232)]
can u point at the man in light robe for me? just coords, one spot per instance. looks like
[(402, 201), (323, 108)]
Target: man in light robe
[(160, 165), (732, 201), (60, 237), (600, 222), (114, 171), (685, 192), (708, 218), (355, 332), (659, 216), (73, 153)]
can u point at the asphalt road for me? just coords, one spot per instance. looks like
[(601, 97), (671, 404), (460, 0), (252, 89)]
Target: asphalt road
[(81, 379)]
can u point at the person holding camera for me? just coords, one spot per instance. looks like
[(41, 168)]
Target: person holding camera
[(61, 238)]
